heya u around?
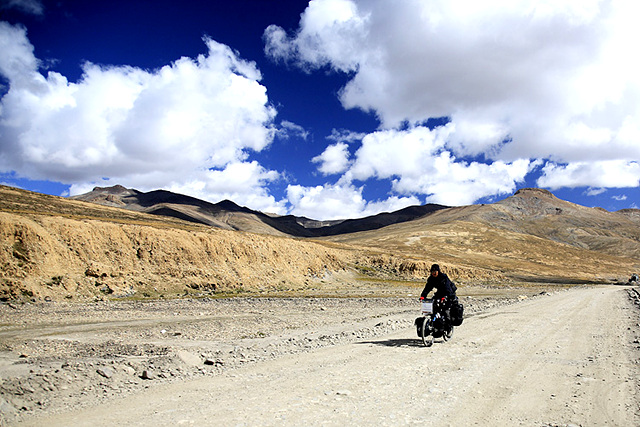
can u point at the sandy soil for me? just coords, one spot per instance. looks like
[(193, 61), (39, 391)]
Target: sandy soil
[(565, 358)]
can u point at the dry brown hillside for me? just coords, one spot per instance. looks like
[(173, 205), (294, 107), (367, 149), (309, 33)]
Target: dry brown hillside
[(56, 248), (531, 236)]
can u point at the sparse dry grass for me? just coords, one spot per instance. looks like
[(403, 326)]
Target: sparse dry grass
[(53, 247)]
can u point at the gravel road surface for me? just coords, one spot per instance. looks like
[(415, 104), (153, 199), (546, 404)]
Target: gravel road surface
[(560, 359)]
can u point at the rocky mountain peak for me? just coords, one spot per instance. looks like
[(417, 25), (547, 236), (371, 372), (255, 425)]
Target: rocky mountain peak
[(116, 189), (539, 192), (536, 202)]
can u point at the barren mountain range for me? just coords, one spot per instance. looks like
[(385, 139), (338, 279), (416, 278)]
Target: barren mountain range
[(118, 242), (228, 215)]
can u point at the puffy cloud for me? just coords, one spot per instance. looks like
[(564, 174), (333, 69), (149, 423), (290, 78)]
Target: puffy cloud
[(340, 201), (606, 173), (333, 201), (459, 183), (190, 124), (17, 56), (419, 163), (334, 159), (331, 33), (388, 153), (518, 79), (245, 183)]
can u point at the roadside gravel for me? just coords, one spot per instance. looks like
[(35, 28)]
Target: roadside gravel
[(59, 357)]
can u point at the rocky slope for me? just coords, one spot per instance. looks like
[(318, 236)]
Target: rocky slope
[(55, 248), (531, 235)]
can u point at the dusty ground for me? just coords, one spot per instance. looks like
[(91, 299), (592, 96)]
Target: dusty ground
[(551, 359)]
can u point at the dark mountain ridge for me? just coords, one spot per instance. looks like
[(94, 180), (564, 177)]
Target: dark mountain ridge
[(228, 215)]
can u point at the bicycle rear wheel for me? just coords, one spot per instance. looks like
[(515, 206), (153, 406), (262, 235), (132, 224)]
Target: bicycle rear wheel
[(448, 334)]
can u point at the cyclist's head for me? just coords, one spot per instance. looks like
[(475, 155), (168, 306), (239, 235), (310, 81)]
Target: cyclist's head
[(435, 269)]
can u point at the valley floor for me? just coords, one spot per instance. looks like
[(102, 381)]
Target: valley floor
[(550, 359)]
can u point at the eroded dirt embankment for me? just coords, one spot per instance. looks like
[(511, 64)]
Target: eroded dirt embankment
[(60, 258), (54, 257)]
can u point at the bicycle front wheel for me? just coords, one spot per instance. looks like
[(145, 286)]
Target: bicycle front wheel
[(427, 338)]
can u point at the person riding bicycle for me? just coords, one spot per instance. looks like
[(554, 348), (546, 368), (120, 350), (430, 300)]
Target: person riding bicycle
[(445, 289)]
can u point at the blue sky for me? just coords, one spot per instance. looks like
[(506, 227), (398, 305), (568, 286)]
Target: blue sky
[(327, 109)]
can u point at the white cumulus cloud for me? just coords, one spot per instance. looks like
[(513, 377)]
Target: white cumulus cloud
[(518, 79), (606, 173), (334, 159), (418, 162), (187, 125), (340, 201), (419, 166)]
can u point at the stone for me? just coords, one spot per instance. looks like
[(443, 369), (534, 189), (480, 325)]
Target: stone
[(189, 358), (105, 372), (147, 375)]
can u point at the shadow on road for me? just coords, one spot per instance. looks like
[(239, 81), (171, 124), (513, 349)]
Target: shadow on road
[(397, 342)]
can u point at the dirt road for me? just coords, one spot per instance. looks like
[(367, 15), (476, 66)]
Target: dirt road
[(567, 358)]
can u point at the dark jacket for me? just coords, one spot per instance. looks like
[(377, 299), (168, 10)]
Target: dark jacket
[(444, 286)]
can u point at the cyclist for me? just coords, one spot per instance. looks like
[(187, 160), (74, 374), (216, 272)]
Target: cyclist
[(445, 288)]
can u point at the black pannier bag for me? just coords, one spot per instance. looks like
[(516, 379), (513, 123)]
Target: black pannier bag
[(456, 313), (439, 323)]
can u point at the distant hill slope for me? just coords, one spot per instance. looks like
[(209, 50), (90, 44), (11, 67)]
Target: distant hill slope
[(540, 213), (529, 234), (532, 233), (228, 215)]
